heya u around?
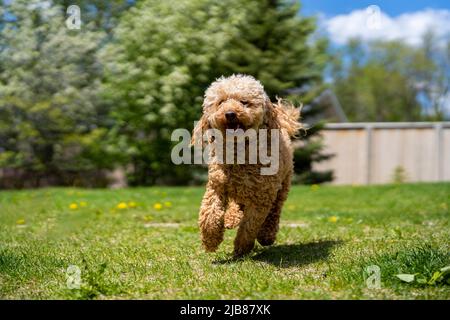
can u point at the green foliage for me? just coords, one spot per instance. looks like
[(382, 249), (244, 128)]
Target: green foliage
[(156, 70), (272, 44), (94, 282), (419, 265), (100, 14), (442, 276), (399, 175), (75, 102), (50, 110), (392, 81), (165, 54)]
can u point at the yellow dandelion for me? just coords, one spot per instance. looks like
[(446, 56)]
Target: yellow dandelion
[(333, 219), (73, 206), (132, 204), (20, 221), (157, 206), (168, 204), (314, 187), (83, 204), (122, 205)]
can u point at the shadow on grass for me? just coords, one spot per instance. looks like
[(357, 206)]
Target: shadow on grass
[(291, 255), (297, 255)]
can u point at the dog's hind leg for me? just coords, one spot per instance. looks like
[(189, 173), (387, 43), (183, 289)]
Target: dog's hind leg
[(269, 229), (211, 219)]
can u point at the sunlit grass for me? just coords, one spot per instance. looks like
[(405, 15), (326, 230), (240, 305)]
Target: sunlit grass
[(144, 243)]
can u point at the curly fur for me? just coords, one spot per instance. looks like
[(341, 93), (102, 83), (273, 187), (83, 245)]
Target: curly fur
[(238, 195)]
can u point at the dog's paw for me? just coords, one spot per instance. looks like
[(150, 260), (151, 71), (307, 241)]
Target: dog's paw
[(210, 246), (211, 233), (231, 221), (211, 242), (233, 216), (266, 241), (243, 250), (266, 238)]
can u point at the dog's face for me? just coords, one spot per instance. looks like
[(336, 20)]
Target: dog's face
[(236, 102)]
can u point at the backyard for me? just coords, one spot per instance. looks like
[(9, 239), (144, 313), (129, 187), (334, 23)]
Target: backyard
[(143, 243)]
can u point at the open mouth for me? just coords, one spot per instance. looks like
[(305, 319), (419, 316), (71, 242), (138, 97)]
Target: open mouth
[(234, 126)]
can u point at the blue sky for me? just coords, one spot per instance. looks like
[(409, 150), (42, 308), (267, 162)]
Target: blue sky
[(394, 20), (405, 20), (391, 7)]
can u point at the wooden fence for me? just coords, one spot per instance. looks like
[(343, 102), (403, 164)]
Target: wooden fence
[(374, 153)]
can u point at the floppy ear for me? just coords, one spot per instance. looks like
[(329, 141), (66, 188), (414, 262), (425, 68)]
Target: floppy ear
[(201, 127), (283, 115), (270, 116)]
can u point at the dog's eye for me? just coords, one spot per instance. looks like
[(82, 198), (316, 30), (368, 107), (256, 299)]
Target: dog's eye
[(244, 103)]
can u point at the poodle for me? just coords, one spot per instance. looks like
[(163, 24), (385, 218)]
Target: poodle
[(238, 195)]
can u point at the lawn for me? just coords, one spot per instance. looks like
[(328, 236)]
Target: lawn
[(144, 243)]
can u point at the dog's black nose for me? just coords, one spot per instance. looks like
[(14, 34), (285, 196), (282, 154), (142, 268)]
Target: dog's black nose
[(230, 115)]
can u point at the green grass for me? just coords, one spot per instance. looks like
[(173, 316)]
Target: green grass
[(329, 235)]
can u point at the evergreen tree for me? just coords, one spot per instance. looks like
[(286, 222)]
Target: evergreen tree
[(310, 150), (274, 45)]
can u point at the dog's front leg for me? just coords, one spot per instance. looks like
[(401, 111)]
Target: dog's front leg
[(248, 230), (211, 218)]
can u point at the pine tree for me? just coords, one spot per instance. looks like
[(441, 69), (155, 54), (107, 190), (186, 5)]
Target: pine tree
[(273, 45), (310, 151)]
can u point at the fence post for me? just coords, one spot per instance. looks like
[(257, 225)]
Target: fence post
[(369, 129), (440, 152)]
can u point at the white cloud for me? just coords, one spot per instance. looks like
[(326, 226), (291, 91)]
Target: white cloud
[(370, 24)]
